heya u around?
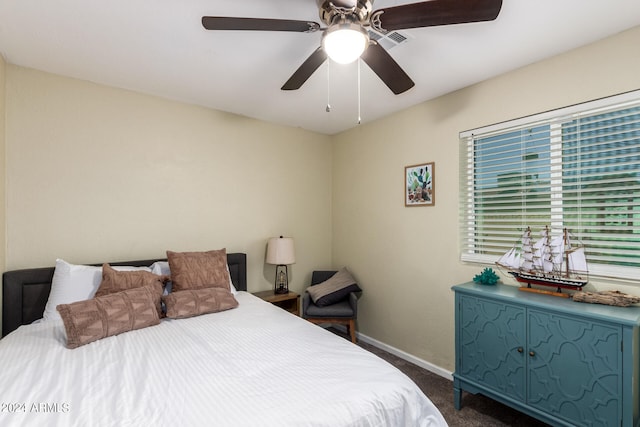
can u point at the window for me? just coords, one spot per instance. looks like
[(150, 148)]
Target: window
[(576, 168)]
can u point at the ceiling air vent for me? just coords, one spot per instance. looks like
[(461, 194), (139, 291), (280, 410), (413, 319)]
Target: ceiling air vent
[(389, 40)]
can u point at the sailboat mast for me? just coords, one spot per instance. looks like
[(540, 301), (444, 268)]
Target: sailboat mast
[(527, 253), (548, 257), (566, 249)]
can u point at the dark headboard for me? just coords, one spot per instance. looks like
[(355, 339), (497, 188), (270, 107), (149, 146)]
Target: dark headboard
[(25, 292)]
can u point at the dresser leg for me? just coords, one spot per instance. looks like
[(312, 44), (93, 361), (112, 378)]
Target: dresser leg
[(457, 397)]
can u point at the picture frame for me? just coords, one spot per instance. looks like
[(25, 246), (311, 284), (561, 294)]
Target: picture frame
[(419, 184)]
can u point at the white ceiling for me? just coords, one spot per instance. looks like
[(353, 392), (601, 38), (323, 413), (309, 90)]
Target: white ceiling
[(160, 47)]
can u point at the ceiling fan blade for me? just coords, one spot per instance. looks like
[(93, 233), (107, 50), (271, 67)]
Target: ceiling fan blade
[(387, 69), (258, 24), (308, 67), (434, 12)]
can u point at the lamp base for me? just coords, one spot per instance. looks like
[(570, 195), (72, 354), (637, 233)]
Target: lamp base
[(281, 284)]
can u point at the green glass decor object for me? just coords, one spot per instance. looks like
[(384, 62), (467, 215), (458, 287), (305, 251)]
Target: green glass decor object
[(487, 277)]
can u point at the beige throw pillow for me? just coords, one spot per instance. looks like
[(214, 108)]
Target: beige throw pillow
[(117, 281), (197, 270), (194, 302), (105, 316)]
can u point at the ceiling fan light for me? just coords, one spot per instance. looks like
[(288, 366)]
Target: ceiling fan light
[(344, 43)]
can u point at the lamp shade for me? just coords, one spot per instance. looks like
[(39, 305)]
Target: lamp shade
[(280, 251)]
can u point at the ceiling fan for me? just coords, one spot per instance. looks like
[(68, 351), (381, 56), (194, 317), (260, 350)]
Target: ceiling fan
[(347, 21)]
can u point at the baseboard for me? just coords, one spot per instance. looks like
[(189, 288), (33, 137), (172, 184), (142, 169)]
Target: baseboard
[(403, 355)]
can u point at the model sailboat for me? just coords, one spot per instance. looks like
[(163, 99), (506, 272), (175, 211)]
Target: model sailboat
[(552, 261)]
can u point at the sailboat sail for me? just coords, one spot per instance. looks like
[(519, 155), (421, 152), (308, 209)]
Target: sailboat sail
[(578, 261), (510, 259), (557, 250)]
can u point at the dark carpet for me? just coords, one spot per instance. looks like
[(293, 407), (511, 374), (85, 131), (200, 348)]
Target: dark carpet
[(476, 411)]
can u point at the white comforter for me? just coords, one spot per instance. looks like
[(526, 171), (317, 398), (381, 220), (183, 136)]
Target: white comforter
[(255, 365)]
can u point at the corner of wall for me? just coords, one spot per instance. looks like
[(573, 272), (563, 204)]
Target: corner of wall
[(3, 174), (3, 150)]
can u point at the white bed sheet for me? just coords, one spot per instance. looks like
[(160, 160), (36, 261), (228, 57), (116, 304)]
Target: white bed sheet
[(255, 365)]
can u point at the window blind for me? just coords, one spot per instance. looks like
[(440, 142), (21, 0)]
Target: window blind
[(576, 168)]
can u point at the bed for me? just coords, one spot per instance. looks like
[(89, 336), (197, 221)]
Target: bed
[(253, 365)]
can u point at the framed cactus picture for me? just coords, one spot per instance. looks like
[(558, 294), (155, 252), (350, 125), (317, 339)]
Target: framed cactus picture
[(419, 185)]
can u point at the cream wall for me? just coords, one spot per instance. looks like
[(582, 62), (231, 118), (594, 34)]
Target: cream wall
[(3, 223), (408, 258), (101, 174)]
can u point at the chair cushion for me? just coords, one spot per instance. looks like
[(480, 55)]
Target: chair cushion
[(334, 289), (340, 309)]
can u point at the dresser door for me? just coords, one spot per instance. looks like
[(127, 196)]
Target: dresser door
[(575, 368), (492, 342)]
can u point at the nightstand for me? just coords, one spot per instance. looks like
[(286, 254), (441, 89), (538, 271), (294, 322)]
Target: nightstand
[(289, 301)]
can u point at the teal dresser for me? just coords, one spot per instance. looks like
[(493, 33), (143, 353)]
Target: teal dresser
[(563, 362)]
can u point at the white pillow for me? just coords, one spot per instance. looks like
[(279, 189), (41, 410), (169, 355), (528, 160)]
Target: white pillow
[(162, 268), (73, 283)]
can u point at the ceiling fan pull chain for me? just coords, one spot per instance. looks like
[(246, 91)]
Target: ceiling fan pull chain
[(359, 117), (328, 109)]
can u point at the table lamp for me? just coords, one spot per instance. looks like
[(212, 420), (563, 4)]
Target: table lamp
[(280, 252)]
